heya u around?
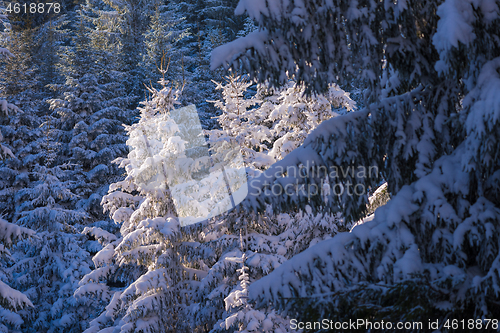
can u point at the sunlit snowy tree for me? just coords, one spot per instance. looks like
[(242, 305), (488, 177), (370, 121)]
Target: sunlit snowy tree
[(270, 239), (273, 122), (151, 256)]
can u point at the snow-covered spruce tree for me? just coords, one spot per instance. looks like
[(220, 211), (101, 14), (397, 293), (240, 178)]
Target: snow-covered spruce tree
[(430, 127), (48, 267), (209, 26), (11, 300), (131, 267), (68, 167), (186, 57), (54, 198), (202, 89), (18, 131), (241, 316), (6, 27), (273, 122), (248, 27), (38, 195), (219, 15), (17, 128), (235, 126), (270, 240), (296, 115), (21, 90), (218, 26), (152, 259), (6, 108), (144, 32)]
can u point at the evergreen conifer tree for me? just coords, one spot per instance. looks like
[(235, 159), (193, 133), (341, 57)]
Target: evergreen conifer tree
[(151, 256), (273, 122), (11, 300), (429, 127)]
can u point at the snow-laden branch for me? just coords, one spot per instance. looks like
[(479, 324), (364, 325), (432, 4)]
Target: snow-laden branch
[(10, 232), (227, 53), (384, 250), (13, 299)]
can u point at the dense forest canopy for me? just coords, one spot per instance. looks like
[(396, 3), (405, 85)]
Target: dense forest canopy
[(249, 166)]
